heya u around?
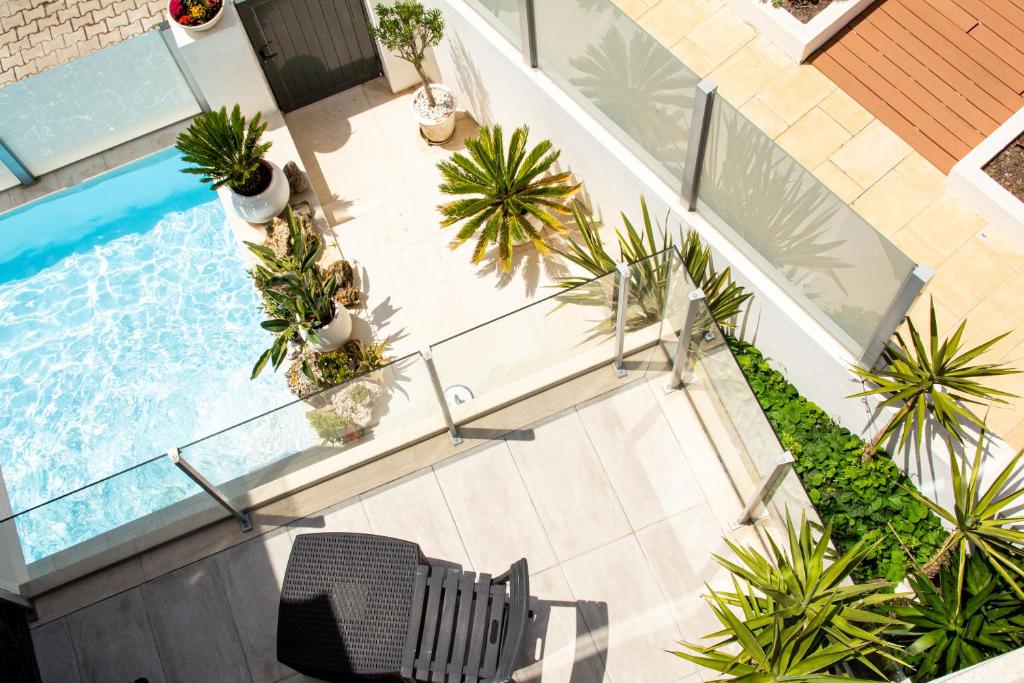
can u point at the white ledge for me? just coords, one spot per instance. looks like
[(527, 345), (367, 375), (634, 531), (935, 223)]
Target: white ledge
[(981, 192), (795, 38)]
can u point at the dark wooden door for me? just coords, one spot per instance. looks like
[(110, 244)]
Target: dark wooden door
[(310, 48)]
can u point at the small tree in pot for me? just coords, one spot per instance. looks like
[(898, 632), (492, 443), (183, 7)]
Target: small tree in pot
[(228, 153), (408, 29)]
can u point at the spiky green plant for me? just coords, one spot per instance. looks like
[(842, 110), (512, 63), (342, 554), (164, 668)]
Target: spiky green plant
[(222, 148), (503, 191), (408, 29), (795, 618), (298, 295), (978, 519), (971, 616), (652, 257), (936, 382)]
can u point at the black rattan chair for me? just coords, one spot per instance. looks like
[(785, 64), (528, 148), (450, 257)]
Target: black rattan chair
[(363, 607)]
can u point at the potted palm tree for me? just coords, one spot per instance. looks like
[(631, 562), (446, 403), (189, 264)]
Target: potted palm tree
[(506, 195), (228, 153), (408, 30)]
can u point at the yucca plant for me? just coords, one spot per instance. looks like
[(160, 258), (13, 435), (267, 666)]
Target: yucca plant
[(225, 151), (980, 525), (971, 616), (936, 381), (503, 192), (795, 618), (650, 249)]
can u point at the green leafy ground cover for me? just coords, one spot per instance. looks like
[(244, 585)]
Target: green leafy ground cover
[(861, 498)]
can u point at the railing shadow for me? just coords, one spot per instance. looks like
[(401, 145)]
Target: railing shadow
[(548, 636)]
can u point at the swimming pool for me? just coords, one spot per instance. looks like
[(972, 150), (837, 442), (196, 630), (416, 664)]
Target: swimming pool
[(128, 326)]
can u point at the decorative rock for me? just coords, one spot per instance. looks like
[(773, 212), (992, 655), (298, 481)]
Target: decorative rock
[(349, 297), (296, 178), (278, 240), (300, 385), (355, 402), (342, 271)]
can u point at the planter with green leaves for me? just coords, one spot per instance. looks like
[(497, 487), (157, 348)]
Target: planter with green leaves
[(507, 196), (936, 382), (298, 297), (227, 152), (798, 617), (408, 30)]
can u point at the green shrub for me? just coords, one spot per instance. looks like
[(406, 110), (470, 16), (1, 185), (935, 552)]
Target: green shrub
[(861, 499)]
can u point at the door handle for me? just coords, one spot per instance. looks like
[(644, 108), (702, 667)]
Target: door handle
[(264, 54)]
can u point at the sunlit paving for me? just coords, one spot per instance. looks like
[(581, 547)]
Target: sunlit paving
[(590, 341)]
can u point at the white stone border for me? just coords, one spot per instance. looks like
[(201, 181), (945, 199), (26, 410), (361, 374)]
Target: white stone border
[(795, 38), (983, 194)]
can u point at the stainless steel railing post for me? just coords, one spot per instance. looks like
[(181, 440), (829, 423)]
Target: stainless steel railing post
[(700, 122), (622, 304), (682, 361), (428, 358), (243, 517), (528, 30), (769, 482)]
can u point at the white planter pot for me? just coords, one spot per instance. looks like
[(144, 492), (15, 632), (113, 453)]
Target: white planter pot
[(436, 131), (335, 333), (266, 205), (201, 27)]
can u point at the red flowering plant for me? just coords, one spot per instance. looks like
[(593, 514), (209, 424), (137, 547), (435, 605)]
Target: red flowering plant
[(194, 12)]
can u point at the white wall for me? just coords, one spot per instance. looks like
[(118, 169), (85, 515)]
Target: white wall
[(492, 82), (12, 561), (225, 67)]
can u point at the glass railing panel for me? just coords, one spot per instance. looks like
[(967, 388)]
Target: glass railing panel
[(529, 349), (658, 286), (503, 15), (111, 512), (621, 75), (721, 391), (368, 415), (103, 99), (843, 270)]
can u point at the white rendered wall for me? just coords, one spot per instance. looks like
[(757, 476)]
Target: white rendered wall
[(225, 67), (493, 83)]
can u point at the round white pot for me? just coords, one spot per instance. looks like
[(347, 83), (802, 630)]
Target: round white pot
[(435, 130), (335, 333), (201, 27), (266, 205)]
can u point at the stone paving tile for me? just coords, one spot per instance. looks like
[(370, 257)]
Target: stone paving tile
[(55, 654), (113, 640), (36, 35), (721, 34), (813, 139)]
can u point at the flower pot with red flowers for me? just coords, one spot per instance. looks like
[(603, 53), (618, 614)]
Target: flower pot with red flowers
[(195, 15), (228, 153)]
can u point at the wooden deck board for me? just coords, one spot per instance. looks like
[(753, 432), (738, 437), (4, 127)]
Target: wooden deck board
[(941, 74)]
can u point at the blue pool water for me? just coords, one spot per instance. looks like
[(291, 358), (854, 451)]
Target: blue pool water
[(128, 326)]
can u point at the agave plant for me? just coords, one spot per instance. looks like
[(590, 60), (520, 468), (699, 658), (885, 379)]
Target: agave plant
[(503, 192), (652, 259), (936, 381), (977, 519), (971, 616), (223, 149), (800, 618)]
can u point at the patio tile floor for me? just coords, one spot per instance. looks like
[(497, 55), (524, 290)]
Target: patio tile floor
[(619, 555)]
